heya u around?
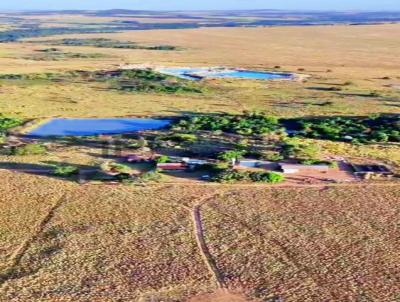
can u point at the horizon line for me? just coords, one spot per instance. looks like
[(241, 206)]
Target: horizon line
[(204, 10)]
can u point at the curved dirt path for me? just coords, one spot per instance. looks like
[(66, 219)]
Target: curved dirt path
[(204, 250)]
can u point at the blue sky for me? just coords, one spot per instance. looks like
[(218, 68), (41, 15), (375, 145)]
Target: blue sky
[(202, 4)]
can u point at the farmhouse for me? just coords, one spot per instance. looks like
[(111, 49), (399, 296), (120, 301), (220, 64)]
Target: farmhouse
[(372, 171)]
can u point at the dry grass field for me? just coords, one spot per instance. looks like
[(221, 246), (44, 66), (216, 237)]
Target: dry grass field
[(362, 55), (103, 243), (63, 242)]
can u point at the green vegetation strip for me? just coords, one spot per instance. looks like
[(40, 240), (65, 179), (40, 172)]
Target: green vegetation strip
[(108, 43), (54, 54), (376, 129), (247, 124), (135, 80)]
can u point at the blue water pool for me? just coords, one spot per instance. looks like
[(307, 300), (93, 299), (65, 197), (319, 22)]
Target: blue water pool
[(199, 73), (96, 126)]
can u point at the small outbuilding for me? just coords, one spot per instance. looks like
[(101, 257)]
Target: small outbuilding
[(372, 171)]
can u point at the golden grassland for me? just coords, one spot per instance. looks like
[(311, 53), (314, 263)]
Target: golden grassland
[(362, 55), (124, 243), (360, 52)]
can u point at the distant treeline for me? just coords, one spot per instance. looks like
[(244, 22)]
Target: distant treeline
[(209, 19), (107, 43), (24, 33)]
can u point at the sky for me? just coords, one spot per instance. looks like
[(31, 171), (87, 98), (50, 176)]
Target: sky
[(367, 5)]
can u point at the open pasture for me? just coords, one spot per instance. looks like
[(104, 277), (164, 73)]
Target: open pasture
[(104, 243)]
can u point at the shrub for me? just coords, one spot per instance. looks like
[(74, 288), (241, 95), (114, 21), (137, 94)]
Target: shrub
[(267, 177), (272, 156), (29, 149), (181, 137), (231, 176), (8, 123), (231, 155), (66, 170), (111, 167), (162, 159), (150, 176)]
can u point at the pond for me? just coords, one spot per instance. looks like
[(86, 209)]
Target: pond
[(200, 73), (96, 126)]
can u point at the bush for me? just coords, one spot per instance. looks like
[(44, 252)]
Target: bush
[(111, 167), (66, 170), (181, 138), (29, 149), (150, 176), (232, 176), (272, 156), (8, 122), (267, 177), (231, 155), (162, 159)]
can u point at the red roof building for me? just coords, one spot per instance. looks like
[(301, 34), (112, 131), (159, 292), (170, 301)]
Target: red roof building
[(172, 166)]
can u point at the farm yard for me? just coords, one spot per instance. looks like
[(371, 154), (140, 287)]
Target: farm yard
[(268, 172)]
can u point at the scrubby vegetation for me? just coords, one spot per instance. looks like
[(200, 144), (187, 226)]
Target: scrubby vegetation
[(37, 76), (115, 168), (141, 80), (65, 170), (29, 149), (135, 80), (381, 128), (54, 54), (247, 124), (295, 149), (8, 123), (231, 176), (231, 155), (108, 43)]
